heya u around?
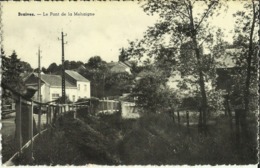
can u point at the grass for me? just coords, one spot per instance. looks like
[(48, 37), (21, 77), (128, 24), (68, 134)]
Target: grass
[(151, 139)]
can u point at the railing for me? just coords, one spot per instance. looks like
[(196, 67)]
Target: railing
[(26, 127), (108, 106)]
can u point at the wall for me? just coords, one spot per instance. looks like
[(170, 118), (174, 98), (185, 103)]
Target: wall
[(69, 92), (45, 92), (82, 93)]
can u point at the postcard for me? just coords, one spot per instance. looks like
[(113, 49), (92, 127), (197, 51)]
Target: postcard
[(123, 83)]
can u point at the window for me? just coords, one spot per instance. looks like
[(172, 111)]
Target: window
[(85, 87), (55, 96), (73, 98), (78, 86)]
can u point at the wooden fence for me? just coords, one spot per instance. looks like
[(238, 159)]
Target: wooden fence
[(108, 106), (26, 129), (8, 109)]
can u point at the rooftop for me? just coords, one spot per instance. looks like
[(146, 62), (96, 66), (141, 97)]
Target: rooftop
[(54, 80), (76, 76)]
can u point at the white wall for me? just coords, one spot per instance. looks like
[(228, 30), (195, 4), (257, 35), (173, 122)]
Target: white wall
[(45, 91), (82, 91), (69, 92)]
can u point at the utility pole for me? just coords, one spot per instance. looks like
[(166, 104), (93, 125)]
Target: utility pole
[(39, 75), (63, 91), (39, 90)]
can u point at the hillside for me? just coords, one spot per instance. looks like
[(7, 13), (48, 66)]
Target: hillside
[(152, 139)]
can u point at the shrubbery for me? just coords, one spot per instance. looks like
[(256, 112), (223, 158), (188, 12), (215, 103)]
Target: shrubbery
[(151, 139)]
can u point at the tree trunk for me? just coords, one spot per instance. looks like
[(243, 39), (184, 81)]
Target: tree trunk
[(248, 75), (201, 76)]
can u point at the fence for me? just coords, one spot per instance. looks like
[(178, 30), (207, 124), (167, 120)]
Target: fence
[(108, 106), (8, 109), (32, 118), (129, 110)]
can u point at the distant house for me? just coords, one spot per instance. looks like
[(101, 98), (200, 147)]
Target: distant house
[(120, 66), (76, 86)]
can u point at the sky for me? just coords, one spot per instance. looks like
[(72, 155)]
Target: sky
[(104, 33)]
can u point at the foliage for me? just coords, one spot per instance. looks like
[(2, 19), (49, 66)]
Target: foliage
[(123, 55), (151, 91), (95, 63), (68, 65), (118, 83), (152, 139), (181, 26), (96, 71), (12, 68), (245, 40), (53, 68), (60, 100)]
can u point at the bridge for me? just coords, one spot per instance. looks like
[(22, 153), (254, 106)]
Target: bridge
[(31, 118)]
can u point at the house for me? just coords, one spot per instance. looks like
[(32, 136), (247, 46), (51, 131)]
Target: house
[(76, 86), (120, 66)]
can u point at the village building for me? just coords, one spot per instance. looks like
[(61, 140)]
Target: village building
[(76, 86), (120, 67)]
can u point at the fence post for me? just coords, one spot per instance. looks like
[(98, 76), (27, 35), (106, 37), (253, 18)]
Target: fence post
[(18, 125), (39, 118), (103, 105), (112, 106), (75, 113), (107, 105), (187, 116), (119, 107), (90, 106), (178, 114), (50, 111), (47, 115), (60, 109), (30, 154)]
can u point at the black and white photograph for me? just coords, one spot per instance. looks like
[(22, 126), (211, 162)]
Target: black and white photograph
[(123, 83)]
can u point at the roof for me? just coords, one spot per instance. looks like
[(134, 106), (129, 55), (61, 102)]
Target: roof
[(54, 80), (128, 63), (76, 76), (118, 67)]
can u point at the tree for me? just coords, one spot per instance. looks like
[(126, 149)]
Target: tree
[(96, 63), (123, 55), (12, 68), (44, 70), (245, 39), (118, 83), (151, 92), (96, 71), (26, 67), (52, 68), (177, 25), (11, 76)]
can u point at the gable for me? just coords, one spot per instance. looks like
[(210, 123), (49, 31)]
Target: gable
[(51, 80), (76, 76)]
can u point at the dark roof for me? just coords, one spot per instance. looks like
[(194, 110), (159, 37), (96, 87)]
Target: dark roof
[(54, 80), (128, 63), (76, 76), (117, 66)]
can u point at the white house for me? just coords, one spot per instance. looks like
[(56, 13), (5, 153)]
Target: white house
[(76, 86)]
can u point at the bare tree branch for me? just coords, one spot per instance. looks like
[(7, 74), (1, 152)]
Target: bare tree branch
[(205, 14)]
